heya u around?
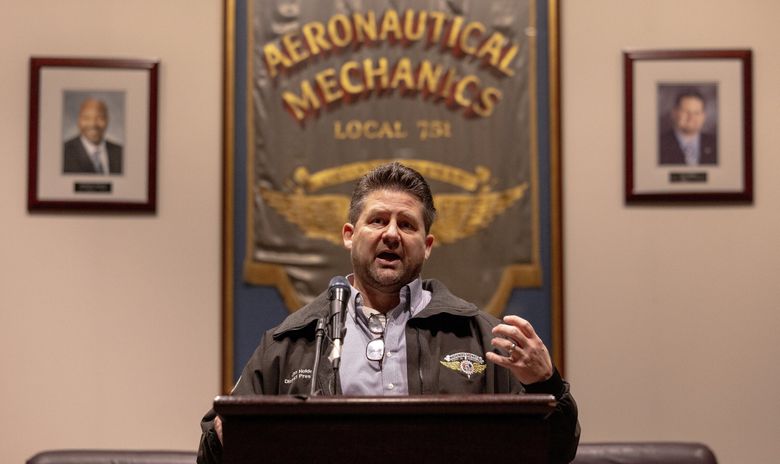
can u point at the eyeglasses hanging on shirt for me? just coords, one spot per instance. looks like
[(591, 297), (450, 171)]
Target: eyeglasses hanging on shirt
[(375, 350)]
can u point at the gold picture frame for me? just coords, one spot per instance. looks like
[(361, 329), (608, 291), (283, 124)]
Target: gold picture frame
[(249, 310)]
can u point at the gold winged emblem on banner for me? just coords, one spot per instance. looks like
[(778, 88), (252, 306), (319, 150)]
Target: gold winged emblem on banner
[(459, 215)]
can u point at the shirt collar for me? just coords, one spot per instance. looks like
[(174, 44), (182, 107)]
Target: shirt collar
[(91, 147), (411, 298)]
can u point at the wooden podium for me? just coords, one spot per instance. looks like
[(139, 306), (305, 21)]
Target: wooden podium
[(398, 430)]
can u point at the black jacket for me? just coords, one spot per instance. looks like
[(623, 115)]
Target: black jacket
[(447, 326)]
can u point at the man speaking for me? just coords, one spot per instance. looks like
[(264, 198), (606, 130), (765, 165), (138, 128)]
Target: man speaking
[(404, 335)]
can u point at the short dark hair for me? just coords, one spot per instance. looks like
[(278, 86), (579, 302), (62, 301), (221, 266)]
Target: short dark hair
[(393, 176), (688, 93)]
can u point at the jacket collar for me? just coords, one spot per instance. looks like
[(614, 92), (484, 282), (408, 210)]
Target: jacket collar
[(442, 302), (305, 316)]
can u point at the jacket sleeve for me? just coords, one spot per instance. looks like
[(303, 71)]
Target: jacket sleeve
[(210, 449), (564, 424), (250, 383)]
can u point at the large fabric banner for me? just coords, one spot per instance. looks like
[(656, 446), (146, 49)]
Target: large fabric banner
[(317, 93), (445, 87)]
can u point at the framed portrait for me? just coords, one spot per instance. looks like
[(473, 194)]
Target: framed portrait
[(92, 134), (318, 93), (688, 122)]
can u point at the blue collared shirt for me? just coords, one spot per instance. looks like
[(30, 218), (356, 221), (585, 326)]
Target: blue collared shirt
[(359, 375)]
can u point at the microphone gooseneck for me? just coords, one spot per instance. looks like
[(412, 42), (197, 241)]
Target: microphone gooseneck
[(319, 336)]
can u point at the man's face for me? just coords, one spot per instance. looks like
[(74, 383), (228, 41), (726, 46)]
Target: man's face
[(689, 116), (93, 120), (388, 244)]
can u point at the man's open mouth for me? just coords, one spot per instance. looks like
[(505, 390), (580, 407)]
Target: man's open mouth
[(388, 256)]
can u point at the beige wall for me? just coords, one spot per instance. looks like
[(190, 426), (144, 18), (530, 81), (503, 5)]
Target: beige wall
[(670, 310), (109, 325)]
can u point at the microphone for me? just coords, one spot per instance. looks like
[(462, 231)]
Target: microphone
[(338, 294)]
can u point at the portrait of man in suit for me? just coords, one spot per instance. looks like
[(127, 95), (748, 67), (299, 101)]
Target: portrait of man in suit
[(90, 152), (684, 140)]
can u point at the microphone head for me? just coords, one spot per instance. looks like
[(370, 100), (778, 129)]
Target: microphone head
[(339, 284), (339, 281)]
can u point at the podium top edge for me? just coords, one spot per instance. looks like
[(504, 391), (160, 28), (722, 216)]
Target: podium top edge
[(524, 404)]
